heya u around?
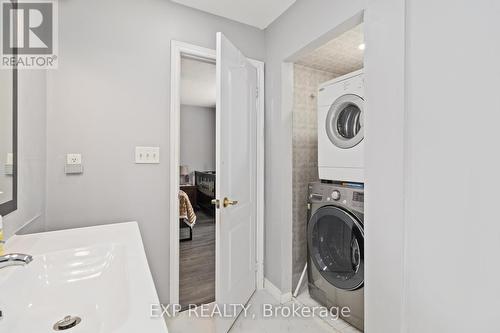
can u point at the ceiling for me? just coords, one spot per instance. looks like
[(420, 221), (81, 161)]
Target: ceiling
[(340, 56), (258, 13), (198, 85)]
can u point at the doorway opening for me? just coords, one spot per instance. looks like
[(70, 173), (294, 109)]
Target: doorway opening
[(197, 182)]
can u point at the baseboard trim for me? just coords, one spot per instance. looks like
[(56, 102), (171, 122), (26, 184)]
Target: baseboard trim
[(276, 292)]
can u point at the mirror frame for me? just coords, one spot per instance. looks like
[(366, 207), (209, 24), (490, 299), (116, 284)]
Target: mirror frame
[(11, 206)]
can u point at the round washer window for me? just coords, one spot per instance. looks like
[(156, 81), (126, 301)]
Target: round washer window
[(344, 122), (336, 247)]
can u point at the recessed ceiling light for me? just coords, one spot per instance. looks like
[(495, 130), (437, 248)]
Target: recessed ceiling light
[(361, 46)]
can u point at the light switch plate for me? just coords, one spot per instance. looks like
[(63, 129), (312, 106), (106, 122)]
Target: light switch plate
[(147, 155), (74, 159)]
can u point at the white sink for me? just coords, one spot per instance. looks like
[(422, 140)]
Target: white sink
[(99, 274)]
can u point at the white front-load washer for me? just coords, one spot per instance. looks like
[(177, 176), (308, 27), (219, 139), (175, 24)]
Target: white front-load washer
[(340, 128)]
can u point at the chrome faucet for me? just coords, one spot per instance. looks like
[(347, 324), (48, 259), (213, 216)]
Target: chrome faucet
[(14, 259)]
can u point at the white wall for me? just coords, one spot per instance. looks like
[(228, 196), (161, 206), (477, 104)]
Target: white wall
[(385, 142), (31, 153), (110, 94), (453, 231), (197, 142)]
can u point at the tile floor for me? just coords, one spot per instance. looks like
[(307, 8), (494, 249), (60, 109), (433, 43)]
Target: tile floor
[(256, 323), (338, 325)]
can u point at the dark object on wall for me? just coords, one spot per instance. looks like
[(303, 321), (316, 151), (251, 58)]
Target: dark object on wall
[(205, 183)]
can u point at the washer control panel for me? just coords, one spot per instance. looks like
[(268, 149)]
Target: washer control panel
[(352, 197)]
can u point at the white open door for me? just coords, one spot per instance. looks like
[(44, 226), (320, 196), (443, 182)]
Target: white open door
[(236, 178)]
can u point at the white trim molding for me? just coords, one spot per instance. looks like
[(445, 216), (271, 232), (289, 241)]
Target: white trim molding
[(260, 172), (178, 50)]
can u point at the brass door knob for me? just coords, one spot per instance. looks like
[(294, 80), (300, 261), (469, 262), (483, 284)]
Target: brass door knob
[(228, 202)]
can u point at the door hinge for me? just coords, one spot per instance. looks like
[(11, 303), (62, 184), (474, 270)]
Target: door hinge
[(257, 92)]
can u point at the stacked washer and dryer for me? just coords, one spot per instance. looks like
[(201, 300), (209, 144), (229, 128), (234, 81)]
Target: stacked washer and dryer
[(335, 229)]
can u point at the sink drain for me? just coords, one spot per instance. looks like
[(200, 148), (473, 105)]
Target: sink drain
[(67, 323)]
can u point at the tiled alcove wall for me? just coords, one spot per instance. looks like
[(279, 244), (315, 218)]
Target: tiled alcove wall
[(305, 155)]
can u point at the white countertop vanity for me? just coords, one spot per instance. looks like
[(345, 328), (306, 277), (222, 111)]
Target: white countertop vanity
[(98, 274)]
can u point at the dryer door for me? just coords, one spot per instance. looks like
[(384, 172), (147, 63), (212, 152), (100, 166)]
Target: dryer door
[(336, 247), (344, 121)]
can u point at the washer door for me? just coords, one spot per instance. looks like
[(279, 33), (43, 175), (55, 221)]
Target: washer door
[(344, 122), (336, 247)]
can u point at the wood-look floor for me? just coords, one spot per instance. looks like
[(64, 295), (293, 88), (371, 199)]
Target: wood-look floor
[(197, 263)]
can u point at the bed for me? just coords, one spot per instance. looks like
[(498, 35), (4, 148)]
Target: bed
[(205, 184)]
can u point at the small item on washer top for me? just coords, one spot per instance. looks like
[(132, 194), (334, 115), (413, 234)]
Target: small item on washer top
[(353, 185)]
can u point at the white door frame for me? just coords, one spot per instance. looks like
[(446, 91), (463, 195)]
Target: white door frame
[(179, 49)]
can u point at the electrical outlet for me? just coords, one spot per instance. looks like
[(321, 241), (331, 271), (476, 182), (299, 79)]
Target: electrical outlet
[(73, 159), (147, 155)]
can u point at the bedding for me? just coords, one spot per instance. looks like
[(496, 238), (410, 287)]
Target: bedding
[(186, 211)]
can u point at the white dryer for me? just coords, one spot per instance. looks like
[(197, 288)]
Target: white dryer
[(340, 128)]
